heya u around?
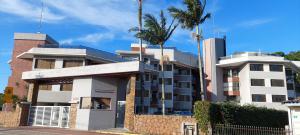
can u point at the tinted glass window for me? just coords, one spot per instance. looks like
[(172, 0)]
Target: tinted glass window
[(258, 98), (278, 98), (256, 67), (276, 68), (44, 63), (277, 83), (257, 82)]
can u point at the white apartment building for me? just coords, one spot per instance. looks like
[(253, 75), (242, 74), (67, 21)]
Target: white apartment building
[(90, 89), (180, 79), (255, 78)]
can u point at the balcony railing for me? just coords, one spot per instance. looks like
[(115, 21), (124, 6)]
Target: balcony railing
[(246, 54)]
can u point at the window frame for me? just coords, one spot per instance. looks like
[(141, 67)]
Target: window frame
[(272, 83), (49, 61), (253, 68), (252, 83), (264, 97), (272, 70), (91, 107)]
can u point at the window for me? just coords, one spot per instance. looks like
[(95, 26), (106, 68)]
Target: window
[(235, 72), (154, 77), (276, 68), (184, 72), (168, 96), (72, 63), (227, 73), (278, 98), (256, 67), (147, 77), (183, 98), (182, 85), (258, 98), (66, 87), (290, 86), (44, 63), (168, 81), (289, 72), (95, 103), (257, 82), (168, 67), (138, 93), (45, 87), (277, 83), (235, 86)]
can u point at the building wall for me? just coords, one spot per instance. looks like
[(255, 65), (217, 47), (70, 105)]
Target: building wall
[(161, 125), (213, 49), (92, 119), (247, 90), (20, 65)]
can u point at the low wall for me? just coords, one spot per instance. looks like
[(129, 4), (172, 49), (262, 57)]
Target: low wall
[(161, 125), (15, 118)]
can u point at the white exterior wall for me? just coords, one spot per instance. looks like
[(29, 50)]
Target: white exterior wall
[(266, 90), (82, 87), (89, 119), (244, 82)]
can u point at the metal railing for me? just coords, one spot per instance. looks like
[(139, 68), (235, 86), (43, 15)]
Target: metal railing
[(221, 129), (246, 54)]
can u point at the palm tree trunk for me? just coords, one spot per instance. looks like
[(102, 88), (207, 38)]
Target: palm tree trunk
[(203, 92), (141, 58), (162, 80)]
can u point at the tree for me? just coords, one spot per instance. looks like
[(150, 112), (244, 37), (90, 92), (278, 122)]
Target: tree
[(141, 75), (279, 54), (156, 33), (293, 56), (190, 19), (1, 100)]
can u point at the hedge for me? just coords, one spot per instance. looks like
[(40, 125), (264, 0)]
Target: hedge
[(234, 114)]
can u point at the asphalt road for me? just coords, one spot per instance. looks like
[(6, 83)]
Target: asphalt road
[(44, 131)]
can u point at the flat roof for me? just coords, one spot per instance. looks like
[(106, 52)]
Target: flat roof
[(34, 36)]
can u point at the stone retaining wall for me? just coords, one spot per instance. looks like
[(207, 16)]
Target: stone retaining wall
[(15, 118), (161, 125)]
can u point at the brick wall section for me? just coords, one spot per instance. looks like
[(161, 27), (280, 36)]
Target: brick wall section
[(18, 66), (129, 108), (15, 118), (160, 125), (73, 115)]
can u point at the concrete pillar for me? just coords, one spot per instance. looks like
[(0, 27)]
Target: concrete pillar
[(73, 114), (130, 105), (33, 93)]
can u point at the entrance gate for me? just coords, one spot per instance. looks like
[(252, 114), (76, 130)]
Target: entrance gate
[(49, 116)]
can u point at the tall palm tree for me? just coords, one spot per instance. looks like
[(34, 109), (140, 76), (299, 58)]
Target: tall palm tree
[(157, 33), (190, 19), (141, 75)]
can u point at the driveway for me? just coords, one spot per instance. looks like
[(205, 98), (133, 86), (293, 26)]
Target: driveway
[(44, 131)]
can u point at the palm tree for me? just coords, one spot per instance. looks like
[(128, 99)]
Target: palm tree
[(141, 75), (157, 33), (191, 19)]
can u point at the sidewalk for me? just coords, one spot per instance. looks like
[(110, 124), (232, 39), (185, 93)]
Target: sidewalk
[(118, 131)]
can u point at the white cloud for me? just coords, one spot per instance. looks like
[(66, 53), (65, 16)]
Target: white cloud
[(111, 14), (255, 22), (28, 10), (90, 38)]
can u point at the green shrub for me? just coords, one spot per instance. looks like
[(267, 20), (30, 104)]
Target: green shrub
[(202, 114), (234, 114)]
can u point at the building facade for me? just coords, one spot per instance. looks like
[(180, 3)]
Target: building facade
[(255, 78), (181, 87), (89, 89), (86, 88)]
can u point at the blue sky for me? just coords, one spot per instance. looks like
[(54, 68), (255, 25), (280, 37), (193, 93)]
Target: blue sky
[(250, 25)]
